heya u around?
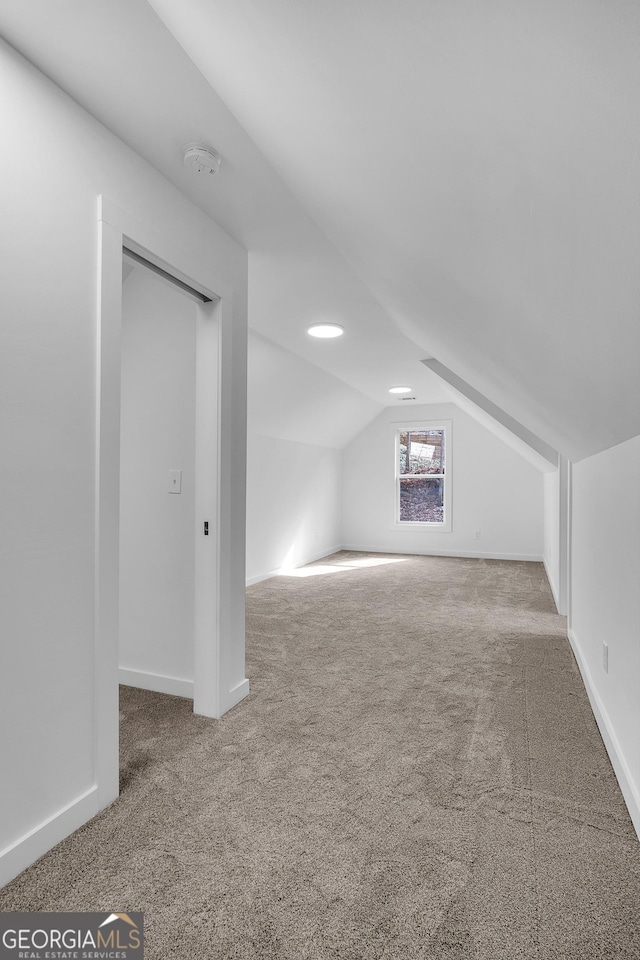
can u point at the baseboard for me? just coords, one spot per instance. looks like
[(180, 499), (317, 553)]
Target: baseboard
[(33, 845), (463, 554), (236, 694), (618, 762), (260, 577), (552, 585), (299, 563), (156, 682)]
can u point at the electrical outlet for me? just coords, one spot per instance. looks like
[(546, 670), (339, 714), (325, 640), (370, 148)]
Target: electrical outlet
[(605, 657), (478, 534)]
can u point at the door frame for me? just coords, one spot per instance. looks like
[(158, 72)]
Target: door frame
[(117, 229)]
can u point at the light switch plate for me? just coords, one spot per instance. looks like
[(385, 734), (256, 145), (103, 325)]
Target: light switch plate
[(175, 481)]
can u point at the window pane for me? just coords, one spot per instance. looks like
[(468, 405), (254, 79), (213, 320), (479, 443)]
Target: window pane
[(421, 452), (421, 499)]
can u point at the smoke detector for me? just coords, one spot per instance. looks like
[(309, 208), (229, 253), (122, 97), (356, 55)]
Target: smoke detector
[(202, 160)]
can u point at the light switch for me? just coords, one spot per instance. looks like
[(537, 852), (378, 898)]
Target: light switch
[(175, 481)]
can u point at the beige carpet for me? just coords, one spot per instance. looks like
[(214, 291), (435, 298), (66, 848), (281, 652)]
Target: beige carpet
[(416, 774)]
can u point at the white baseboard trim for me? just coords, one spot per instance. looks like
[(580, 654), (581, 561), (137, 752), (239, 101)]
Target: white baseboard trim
[(464, 554), (236, 694), (618, 762), (19, 855), (552, 585), (299, 563), (156, 682), (260, 577)]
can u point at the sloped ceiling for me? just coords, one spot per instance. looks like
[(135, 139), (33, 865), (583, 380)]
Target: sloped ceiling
[(444, 177), (291, 399), (118, 61), (477, 164)]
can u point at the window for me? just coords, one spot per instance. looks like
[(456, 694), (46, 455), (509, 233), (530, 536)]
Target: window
[(422, 487)]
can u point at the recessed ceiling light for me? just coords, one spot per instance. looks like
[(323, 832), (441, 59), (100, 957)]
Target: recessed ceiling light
[(400, 389), (325, 330)]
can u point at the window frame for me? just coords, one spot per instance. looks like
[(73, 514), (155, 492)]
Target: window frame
[(417, 426)]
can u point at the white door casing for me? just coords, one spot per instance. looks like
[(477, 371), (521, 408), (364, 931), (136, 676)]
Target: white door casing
[(219, 568)]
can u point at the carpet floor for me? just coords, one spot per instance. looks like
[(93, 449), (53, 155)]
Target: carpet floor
[(416, 774)]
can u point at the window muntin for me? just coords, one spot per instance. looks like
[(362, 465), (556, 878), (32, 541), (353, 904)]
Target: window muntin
[(421, 492)]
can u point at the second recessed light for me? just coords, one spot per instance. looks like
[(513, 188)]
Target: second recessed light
[(400, 389), (325, 331)]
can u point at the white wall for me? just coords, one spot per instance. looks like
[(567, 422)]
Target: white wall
[(299, 418), (49, 263), (495, 491), (293, 504), (156, 526), (292, 399), (605, 601)]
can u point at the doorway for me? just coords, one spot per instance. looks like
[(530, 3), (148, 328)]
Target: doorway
[(220, 421), (157, 483)]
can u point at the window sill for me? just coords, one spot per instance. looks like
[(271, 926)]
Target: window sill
[(421, 525)]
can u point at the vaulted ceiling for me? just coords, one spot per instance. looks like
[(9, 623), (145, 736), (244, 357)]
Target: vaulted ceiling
[(445, 178)]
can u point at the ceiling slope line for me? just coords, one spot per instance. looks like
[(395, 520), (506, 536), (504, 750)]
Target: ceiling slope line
[(493, 410)]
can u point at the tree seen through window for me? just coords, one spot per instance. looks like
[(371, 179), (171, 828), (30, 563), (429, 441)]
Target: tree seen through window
[(421, 470)]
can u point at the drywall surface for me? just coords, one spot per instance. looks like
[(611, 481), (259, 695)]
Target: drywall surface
[(48, 341), (291, 399), (157, 436), (293, 504), (552, 530), (506, 204), (495, 492), (298, 417), (605, 600)]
